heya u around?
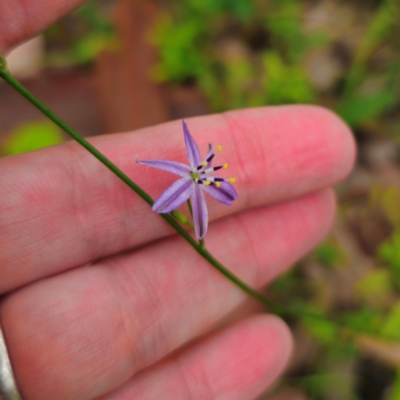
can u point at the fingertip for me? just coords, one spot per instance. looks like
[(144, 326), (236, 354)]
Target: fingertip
[(341, 139), (294, 150), (280, 342), (263, 346)]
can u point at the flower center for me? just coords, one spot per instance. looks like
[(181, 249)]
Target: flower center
[(201, 173)]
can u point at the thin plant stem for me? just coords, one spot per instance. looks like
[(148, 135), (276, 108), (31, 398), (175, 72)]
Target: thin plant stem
[(198, 246), (3, 64)]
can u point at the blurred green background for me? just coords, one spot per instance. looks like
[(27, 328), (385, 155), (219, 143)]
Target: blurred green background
[(217, 55)]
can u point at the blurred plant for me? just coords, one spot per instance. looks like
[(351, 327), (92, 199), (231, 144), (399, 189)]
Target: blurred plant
[(254, 53), (31, 136), (329, 253), (322, 284), (245, 58), (389, 253), (370, 88), (81, 36)]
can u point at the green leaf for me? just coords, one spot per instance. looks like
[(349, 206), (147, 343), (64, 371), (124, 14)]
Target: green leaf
[(355, 110), (90, 46), (365, 320), (323, 330), (285, 83), (391, 327), (328, 253), (31, 136)]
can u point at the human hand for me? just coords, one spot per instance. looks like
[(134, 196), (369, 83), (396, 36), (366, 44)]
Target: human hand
[(148, 318)]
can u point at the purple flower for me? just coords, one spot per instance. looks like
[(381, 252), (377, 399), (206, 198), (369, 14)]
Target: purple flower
[(195, 178)]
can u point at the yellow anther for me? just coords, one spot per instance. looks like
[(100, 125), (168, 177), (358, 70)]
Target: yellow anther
[(217, 184), (207, 183), (219, 148), (225, 166), (204, 164), (232, 180)]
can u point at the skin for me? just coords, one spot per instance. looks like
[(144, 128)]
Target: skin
[(102, 300)]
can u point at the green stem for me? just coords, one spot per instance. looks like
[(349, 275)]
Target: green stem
[(199, 247), (3, 64)]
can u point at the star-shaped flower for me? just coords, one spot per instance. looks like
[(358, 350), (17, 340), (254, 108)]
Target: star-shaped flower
[(195, 178)]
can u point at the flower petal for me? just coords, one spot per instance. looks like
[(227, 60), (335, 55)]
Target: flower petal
[(226, 193), (174, 196), (200, 212), (170, 166), (191, 147)]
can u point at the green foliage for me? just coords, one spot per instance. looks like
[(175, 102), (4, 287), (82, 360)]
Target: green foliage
[(383, 23), (285, 26), (272, 72), (358, 109), (81, 36), (391, 326), (31, 136), (375, 288), (395, 389), (389, 253), (329, 253), (221, 63), (323, 331), (328, 385), (178, 49), (386, 199), (285, 83), (365, 319)]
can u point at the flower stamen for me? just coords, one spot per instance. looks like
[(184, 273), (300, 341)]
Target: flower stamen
[(210, 158), (213, 169), (212, 180)]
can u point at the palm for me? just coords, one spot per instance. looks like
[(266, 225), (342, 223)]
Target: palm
[(102, 300)]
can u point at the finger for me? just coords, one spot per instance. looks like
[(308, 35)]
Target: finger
[(237, 363), (61, 208), (83, 333), (20, 20)]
